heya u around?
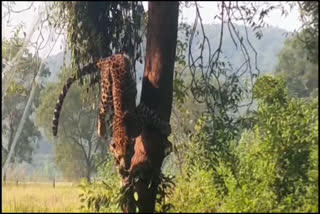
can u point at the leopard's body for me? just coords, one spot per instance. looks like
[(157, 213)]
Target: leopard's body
[(118, 91)]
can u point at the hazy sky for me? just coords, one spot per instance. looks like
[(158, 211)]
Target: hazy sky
[(207, 11)]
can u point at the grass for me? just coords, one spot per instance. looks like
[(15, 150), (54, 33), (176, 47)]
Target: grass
[(40, 197)]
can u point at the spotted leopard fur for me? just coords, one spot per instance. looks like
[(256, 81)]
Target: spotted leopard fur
[(118, 91)]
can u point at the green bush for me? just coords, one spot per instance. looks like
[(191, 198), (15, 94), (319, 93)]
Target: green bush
[(195, 193), (272, 168), (102, 196)]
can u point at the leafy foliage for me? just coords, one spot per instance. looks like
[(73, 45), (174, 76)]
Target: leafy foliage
[(94, 197), (102, 196), (115, 25), (165, 191), (272, 168), (194, 193), (105, 195), (309, 13), (298, 69)]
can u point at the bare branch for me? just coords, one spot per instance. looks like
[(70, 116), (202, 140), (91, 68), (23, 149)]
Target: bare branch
[(19, 11)]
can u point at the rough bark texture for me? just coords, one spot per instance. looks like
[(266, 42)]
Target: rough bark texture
[(157, 94)]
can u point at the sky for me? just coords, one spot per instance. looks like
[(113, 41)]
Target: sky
[(207, 11)]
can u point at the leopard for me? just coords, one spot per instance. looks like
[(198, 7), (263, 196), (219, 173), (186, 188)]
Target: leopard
[(118, 92)]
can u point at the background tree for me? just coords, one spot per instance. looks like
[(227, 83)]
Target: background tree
[(69, 159), (300, 72), (309, 14), (11, 71), (78, 147), (15, 99), (298, 61)]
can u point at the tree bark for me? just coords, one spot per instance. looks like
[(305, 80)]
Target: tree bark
[(157, 94), (88, 171)]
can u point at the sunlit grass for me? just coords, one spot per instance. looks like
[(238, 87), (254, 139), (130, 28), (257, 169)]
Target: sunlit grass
[(40, 197)]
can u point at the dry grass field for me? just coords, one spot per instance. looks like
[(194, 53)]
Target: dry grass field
[(40, 197)]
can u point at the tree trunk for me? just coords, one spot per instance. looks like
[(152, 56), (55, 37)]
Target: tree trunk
[(23, 118), (157, 94), (4, 179), (88, 172)]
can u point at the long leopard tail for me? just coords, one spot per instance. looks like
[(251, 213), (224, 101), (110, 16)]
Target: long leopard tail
[(87, 69)]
